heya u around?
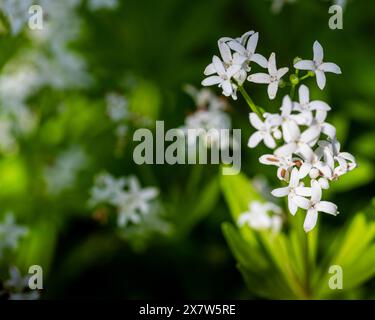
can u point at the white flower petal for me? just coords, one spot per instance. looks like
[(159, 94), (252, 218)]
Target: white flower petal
[(330, 67), (252, 42), (320, 79), (286, 150), (305, 65), (280, 192), (210, 69), (310, 220), (303, 191), (218, 66), (225, 52), (329, 130), (301, 202), (211, 81), (259, 78), (254, 140), (269, 141), (269, 159), (255, 121), (318, 53), (327, 207), (272, 89), (259, 59), (292, 206), (294, 179), (310, 134), (316, 192), (281, 72), (319, 105), (304, 95), (304, 170), (272, 70)]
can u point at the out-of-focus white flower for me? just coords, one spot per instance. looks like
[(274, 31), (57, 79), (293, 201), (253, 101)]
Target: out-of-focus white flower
[(102, 4), (10, 233), (117, 107), (135, 202), (17, 286), (126, 195), (295, 191), (106, 189), (272, 78), (315, 205), (62, 174), (16, 12), (262, 216), (211, 123), (206, 99), (318, 66)]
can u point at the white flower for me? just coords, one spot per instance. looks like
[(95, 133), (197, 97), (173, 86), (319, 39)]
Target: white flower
[(305, 104), (206, 99), (263, 133), (284, 164), (289, 122), (246, 47), (17, 286), (318, 66), (223, 77), (211, 122), (10, 233), (324, 127), (126, 195), (331, 150), (117, 107), (295, 191), (134, 202), (106, 189), (312, 164), (272, 78), (315, 205), (258, 216), (309, 137), (17, 13)]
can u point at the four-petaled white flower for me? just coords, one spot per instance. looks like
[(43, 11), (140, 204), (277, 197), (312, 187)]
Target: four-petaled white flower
[(295, 192), (315, 205), (305, 104), (272, 78), (283, 164), (318, 66), (223, 77), (246, 47), (263, 133)]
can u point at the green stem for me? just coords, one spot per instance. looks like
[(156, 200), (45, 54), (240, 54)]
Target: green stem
[(249, 101), (292, 91), (307, 266), (307, 75)]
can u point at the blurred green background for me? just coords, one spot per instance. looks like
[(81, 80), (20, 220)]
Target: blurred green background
[(147, 51)]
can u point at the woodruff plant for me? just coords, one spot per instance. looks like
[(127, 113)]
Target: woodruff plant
[(305, 149)]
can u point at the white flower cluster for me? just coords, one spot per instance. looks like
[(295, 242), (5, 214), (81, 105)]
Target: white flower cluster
[(125, 194), (10, 234), (303, 154), (232, 69), (262, 216), (210, 114)]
